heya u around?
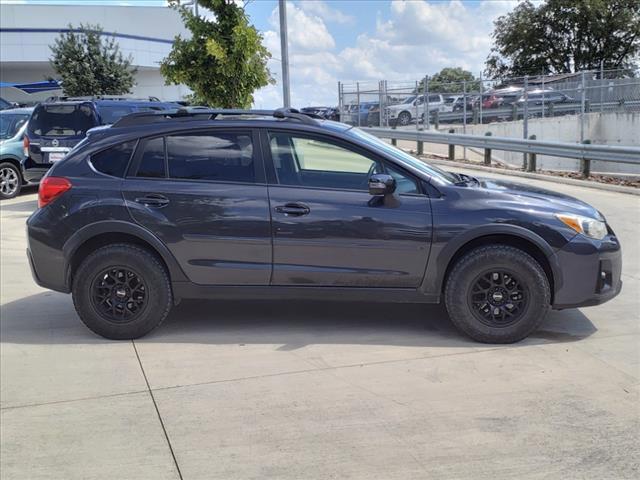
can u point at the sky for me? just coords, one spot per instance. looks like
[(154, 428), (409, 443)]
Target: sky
[(363, 40)]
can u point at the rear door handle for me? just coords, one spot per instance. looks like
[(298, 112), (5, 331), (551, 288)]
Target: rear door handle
[(153, 200), (293, 209)]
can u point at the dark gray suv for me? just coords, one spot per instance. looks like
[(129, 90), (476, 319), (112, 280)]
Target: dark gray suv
[(276, 204)]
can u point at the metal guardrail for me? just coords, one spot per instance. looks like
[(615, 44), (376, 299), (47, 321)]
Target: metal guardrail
[(602, 153)]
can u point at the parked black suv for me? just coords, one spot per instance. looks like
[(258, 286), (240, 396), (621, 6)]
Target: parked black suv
[(57, 125), (233, 204)]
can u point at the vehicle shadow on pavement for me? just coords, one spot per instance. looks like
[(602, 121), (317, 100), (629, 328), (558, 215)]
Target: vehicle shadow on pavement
[(49, 317), (28, 206)]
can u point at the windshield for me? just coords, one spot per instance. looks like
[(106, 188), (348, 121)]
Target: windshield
[(62, 120), (10, 123), (402, 156)]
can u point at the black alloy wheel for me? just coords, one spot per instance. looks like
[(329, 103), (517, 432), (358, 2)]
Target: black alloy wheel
[(119, 294), (497, 298)]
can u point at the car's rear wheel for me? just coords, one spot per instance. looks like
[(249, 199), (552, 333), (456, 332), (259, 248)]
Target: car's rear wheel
[(122, 292), (404, 118), (497, 294), (10, 180)]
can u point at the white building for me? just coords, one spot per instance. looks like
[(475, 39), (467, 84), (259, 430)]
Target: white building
[(145, 33)]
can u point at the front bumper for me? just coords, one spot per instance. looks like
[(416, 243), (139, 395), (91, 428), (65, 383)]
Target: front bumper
[(590, 272)]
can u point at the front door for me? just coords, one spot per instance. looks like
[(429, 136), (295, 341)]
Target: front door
[(203, 194), (328, 230)]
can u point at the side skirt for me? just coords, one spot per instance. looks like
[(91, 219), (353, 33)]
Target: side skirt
[(182, 290)]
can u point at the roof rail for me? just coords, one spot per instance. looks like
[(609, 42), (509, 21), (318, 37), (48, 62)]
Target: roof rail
[(65, 98), (183, 114)]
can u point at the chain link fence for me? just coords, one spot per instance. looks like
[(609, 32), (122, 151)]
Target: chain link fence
[(601, 106)]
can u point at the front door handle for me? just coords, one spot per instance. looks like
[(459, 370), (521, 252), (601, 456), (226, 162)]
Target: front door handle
[(153, 200), (293, 209)]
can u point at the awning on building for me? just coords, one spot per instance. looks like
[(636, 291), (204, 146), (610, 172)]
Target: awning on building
[(33, 87)]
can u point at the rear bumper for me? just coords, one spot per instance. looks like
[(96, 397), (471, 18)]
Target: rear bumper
[(33, 172), (47, 264), (46, 278), (591, 272)]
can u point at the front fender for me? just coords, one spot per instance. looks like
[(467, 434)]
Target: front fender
[(444, 251)]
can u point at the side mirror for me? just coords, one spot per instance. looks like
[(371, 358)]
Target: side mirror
[(381, 184)]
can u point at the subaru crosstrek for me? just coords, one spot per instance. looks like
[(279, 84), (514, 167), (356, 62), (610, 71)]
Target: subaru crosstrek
[(234, 204)]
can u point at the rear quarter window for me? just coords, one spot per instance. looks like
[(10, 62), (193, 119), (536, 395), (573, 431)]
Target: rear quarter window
[(114, 160), (112, 113)]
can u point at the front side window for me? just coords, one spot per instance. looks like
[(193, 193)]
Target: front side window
[(404, 183), (315, 163), (113, 161), (226, 157)]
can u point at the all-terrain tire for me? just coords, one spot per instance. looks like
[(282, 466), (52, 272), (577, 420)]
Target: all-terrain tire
[(130, 258), (499, 258)]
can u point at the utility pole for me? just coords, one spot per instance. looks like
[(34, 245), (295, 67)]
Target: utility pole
[(284, 54)]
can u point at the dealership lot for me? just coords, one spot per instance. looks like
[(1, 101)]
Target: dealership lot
[(318, 390)]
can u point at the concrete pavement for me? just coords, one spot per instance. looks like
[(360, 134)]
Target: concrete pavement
[(317, 390)]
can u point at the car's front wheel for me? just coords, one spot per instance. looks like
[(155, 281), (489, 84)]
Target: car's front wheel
[(122, 292), (10, 180), (404, 118), (497, 294)]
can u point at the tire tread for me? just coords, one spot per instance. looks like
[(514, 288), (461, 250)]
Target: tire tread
[(111, 250), (463, 319)]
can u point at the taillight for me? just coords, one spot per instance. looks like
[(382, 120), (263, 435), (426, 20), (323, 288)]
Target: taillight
[(51, 188), (25, 146)]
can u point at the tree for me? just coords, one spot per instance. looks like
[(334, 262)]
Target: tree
[(90, 63), (224, 61), (450, 80), (561, 36)]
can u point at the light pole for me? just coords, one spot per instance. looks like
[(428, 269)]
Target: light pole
[(284, 53)]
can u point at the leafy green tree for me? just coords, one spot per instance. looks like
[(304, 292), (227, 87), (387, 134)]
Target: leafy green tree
[(90, 63), (450, 80), (561, 36), (224, 61)]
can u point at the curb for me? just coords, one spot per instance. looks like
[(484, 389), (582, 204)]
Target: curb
[(539, 176)]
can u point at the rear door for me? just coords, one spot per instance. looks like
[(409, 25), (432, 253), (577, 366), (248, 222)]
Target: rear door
[(328, 230), (204, 195)]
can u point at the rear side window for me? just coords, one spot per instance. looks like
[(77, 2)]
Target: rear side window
[(113, 161), (211, 156), (62, 120), (152, 163)]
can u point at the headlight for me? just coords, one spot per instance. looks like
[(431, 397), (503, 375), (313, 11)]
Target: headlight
[(590, 227)]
